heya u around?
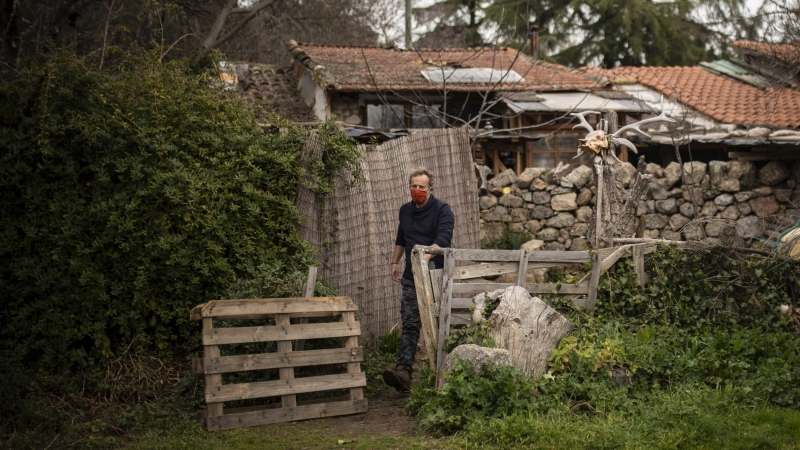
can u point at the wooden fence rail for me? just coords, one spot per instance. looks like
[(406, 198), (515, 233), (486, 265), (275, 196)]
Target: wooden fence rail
[(285, 360), (439, 310)]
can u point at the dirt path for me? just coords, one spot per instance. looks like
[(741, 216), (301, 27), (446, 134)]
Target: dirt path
[(385, 417)]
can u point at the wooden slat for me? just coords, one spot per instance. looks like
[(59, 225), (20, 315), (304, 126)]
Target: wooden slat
[(533, 288), (241, 335), (197, 312), (224, 308), (460, 319), (213, 409), (198, 367), (484, 270), (444, 311), (264, 361), (424, 301), (261, 389), (522, 274), (356, 393), (614, 257), (594, 281), (555, 256), (486, 255), (272, 415), (638, 263), (285, 373), (461, 303)]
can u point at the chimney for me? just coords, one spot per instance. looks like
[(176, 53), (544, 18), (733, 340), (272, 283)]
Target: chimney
[(533, 34)]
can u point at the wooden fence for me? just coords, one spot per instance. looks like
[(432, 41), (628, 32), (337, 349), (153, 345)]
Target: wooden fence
[(440, 292), (286, 361)]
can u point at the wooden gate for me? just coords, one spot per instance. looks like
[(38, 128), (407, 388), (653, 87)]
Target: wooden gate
[(286, 361), (439, 309)]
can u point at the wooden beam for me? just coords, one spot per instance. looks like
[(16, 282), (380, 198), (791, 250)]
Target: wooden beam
[(594, 281), (444, 312), (226, 308), (356, 393), (422, 284), (271, 415), (533, 288), (241, 335), (285, 373), (261, 389), (522, 274), (638, 263), (264, 361), (213, 409), (308, 292)]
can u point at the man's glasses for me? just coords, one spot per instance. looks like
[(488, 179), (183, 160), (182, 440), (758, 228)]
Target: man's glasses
[(416, 186)]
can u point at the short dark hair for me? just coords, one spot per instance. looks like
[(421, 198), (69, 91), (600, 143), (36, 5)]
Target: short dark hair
[(421, 171)]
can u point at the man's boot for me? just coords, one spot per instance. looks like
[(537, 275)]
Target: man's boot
[(399, 378)]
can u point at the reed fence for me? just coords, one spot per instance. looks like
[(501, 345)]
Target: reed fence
[(354, 231)]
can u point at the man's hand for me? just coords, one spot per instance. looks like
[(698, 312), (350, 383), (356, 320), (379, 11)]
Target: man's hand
[(429, 256), (396, 272)]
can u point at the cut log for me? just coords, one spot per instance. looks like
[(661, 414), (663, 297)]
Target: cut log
[(528, 328)]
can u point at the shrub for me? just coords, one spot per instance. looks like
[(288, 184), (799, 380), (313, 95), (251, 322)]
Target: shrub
[(133, 193)]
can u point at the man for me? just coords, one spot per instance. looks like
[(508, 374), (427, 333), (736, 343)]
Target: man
[(425, 220)]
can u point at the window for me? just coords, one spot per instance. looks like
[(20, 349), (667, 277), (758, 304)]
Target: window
[(384, 116), (553, 149), (427, 116)]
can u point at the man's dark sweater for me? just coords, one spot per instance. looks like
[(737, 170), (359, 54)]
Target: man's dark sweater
[(428, 225)]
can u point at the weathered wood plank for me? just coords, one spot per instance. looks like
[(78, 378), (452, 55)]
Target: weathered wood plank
[(261, 389), (444, 311), (224, 308), (419, 268), (213, 409), (285, 373), (484, 270), (198, 367), (241, 335), (614, 257), (353, 367), (264, 361), (197, 312), (638, 263), (436, 287), (533, 288), (460, 319), (546, 256), (522, 274), (594, 281), (272, 415)]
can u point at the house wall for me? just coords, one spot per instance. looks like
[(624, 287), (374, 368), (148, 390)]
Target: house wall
[(346, 108), (314, 96), (707, 200)]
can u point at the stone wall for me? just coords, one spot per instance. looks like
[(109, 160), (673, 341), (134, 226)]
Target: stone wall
[(346, 109), (696, 201)]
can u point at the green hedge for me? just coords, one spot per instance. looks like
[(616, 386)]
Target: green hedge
[(133, 193)]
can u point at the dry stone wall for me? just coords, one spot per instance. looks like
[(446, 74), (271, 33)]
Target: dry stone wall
[(692, 201)]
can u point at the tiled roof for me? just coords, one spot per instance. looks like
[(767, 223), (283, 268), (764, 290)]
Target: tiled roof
[(362, 68), (785, 52), (275, 90), (721, 98)]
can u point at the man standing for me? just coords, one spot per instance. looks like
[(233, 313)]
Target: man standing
[(425, 220)]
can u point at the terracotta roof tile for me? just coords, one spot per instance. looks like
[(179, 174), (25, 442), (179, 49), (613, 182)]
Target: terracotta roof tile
[(785, 52), (721, 98), (362, 68)]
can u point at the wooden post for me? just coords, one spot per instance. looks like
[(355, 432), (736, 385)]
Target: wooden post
[(286, 373), (522, 274), (638, 263), (594, 281), (212, 351), (356, 393), (599, 228), (444, 312), (308, 291), (422, 283)]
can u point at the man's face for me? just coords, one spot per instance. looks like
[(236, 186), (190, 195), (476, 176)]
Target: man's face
[(420, 183)]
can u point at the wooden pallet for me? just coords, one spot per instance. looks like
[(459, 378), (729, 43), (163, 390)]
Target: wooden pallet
[(284, 332)]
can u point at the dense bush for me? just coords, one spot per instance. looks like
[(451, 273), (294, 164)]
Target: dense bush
[(706, 328), (133, 193)]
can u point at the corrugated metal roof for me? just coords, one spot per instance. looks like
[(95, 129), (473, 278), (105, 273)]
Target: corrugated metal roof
[(575, 101), (735, 71)]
